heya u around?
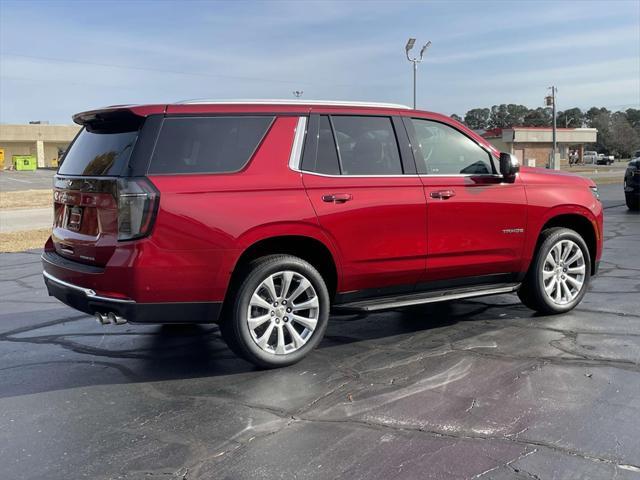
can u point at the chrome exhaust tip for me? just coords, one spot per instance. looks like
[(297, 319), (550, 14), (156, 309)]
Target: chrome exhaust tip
[(110, 319), (116, 319)]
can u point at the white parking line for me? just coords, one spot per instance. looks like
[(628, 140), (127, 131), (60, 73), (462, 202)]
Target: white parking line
[(18, 180)]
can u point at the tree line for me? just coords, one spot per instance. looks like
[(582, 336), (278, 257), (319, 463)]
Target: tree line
[(618, 132)]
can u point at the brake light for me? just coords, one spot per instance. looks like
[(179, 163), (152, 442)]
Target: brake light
[(137, 205)]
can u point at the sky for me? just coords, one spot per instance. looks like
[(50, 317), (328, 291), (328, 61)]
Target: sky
[(61, 57)]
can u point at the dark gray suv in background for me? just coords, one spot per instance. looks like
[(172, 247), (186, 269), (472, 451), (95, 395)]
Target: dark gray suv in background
[(632, 183)]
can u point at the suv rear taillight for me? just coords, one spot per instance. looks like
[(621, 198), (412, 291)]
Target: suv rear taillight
[(137, 205)]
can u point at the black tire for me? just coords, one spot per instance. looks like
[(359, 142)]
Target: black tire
[(633, 201), (532, 293), (235, 328)]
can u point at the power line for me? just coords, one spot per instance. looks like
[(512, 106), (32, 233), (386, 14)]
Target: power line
[(65, 82), (175, 72)]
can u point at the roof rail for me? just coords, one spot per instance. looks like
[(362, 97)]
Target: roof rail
[(333, 103)]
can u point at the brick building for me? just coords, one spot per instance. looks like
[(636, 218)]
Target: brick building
[(533, 145)]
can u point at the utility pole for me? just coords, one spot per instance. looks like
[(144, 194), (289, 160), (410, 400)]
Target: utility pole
[(415, 61), (551, 101)]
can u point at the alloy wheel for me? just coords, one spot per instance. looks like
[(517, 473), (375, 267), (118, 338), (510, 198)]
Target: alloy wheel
[(563, 272), (283, 312)]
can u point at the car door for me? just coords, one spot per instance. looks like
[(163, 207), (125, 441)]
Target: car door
[(476, 221), (369, 200)]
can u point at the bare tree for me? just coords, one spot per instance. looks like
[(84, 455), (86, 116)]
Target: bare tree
[(623, 138)]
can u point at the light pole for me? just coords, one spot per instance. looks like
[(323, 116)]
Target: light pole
[(551, 101), (415, 61)]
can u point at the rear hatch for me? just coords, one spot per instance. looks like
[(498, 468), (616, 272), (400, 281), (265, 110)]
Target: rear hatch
[(97, 203)]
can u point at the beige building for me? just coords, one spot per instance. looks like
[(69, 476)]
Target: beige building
[(533, 145), (43, 141)]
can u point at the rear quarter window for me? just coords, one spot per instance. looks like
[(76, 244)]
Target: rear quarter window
[(207, 144)]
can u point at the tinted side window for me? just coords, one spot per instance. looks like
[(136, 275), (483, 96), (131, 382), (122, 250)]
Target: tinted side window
[(207, 144), (367, 145), (443, 150), (327, 159)]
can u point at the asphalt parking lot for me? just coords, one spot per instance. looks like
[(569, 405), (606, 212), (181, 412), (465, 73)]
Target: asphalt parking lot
[(12, 180), (468, 389)]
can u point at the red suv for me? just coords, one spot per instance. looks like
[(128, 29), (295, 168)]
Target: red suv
[(263, 216)]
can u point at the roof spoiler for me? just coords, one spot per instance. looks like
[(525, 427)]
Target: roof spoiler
[(111, 119)]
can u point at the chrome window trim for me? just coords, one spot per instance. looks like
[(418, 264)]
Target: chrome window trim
[(86, 291), (410, 175), (295, 158)]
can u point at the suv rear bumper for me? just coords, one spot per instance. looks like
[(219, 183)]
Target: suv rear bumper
[(86, 300)]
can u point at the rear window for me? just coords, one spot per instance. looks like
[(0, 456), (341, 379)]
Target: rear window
[(98, 154), (207, 144)]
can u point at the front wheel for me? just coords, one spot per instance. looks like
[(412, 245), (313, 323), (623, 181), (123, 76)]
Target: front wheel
[(279, 312), (559, 274), (633, 201)]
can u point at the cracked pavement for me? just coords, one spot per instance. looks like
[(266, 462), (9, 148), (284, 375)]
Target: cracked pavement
[(469, 389)]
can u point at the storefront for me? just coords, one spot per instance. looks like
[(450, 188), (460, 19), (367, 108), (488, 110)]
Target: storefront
[(42, 141), (533, 145)]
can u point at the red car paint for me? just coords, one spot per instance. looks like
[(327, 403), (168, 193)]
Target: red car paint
[(391, 233)]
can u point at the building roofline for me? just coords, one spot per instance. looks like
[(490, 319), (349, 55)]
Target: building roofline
[(498, 131)]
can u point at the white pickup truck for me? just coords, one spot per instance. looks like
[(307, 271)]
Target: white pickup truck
[(597, 158)]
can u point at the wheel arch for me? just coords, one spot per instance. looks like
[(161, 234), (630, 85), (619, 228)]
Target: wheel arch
[(307, 247), (578, 222)]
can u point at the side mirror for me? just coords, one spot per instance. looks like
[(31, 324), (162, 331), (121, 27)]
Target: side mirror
[(509, 165)]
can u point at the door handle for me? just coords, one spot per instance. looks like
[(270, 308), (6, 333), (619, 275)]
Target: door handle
[(337, 197), (443, 194)]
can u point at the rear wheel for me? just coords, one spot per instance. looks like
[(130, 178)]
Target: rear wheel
[(633, 201), (559, 274), (279, 312)]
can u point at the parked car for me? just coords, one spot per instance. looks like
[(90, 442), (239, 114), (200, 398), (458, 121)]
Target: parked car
[(632, 184), (264, 216)]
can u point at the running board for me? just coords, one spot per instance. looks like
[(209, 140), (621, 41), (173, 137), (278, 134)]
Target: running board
[(385, 303)]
